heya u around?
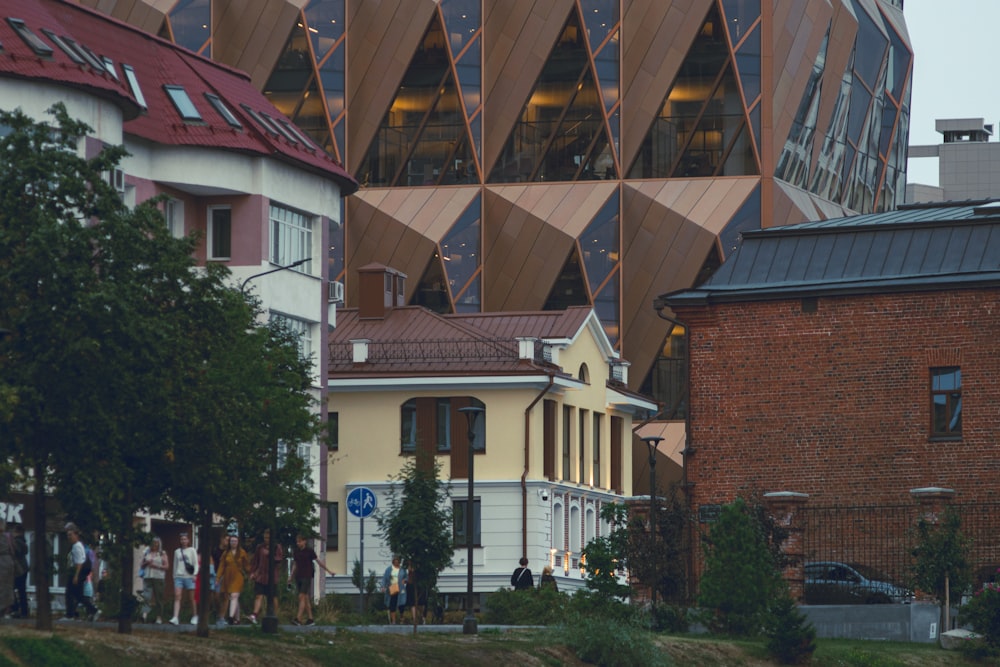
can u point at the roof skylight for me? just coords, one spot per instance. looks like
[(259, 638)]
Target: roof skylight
[(223, 110), (133, 83), (30, 38), (260, 120), (86, 54), (185, 107), (67, 49), (281, 128)]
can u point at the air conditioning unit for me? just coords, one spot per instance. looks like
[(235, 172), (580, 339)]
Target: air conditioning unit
[(336, 292)]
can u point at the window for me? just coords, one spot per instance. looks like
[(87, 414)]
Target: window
[(582, 478), (301, 329), (133, 84), (223, 110), (567, 427), (173, 213), (596, 445), (332, 526), (333, 431), (220, 231), (70, 51), (444, 425), (291, 237), (459, 508), (185, 107), (435, 425), (946, 402), (408, 427), (30, 38)]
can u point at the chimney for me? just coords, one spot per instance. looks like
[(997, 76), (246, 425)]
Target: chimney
[(381, 288)]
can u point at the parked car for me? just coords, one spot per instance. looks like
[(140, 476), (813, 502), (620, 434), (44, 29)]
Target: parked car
[(829, 582)]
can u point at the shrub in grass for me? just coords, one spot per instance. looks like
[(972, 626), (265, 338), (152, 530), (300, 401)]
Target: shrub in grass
[(603, 642), (791, 638), (982, 614), (668, 618), (536, 606)]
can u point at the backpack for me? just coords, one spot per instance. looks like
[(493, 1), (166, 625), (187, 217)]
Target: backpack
[(88, 563)]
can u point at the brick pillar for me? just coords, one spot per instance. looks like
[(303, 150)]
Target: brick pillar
[(932, 501), (784, 506)]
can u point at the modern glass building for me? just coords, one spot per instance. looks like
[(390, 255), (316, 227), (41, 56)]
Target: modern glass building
[(536, 154)]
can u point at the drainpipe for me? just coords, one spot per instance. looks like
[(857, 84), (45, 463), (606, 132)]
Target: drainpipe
[(658, 305), (524, 475)]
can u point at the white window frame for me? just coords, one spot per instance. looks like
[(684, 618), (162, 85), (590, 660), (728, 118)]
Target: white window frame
[(211, 251), (291, 237), (303, 329), (173, 213)]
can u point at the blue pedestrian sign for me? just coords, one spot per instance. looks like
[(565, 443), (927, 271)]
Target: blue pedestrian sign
[(361, 502)]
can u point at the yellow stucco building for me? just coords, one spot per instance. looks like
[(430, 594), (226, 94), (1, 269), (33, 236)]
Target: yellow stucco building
[(552, 445)]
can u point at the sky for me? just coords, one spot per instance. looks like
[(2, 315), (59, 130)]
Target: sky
[(956, 49)]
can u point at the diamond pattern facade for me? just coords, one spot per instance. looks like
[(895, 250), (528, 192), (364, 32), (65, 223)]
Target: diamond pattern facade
[(530, 154)]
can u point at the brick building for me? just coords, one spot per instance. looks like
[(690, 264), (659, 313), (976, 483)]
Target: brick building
[(852, 360)]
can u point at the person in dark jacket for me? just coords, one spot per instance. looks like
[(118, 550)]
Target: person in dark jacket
[(521, 579)]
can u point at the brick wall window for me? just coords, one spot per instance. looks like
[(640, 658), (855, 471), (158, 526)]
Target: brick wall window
[(946, 402)]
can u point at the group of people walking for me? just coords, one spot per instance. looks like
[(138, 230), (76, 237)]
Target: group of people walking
[(231, 567)]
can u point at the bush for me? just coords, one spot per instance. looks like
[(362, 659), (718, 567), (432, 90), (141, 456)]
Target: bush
[(668, 618), (791, 639), (741, 576), (982, 614), (609, 644), (537, 606)]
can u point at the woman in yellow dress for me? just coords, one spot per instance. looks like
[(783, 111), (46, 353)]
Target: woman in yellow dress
[(233, 567)]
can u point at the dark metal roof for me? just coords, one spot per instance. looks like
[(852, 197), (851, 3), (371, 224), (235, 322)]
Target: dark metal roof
[(914, 248)]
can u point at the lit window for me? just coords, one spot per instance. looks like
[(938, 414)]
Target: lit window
[(223, 110), (459, 508), (30, 38), (291, 237), (220, 230), (133, 84), (185, 107), (946, 402)]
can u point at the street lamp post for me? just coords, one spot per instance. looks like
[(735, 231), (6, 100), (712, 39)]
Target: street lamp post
[(469, 625), (269, 623), (653, 443)]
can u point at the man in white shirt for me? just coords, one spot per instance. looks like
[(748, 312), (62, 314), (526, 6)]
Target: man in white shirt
[(75, 578), (185, 571)]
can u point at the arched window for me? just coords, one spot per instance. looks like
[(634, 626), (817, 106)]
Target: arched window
[(575, 544), (558, 523), (590, 525), (584, 373)]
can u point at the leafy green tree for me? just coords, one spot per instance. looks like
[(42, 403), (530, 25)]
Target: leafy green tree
[(942, 559), (740, 575), (247, 391), (416, 522), (607, 554), (58, 276)]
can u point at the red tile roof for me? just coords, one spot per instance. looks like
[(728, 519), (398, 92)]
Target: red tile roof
[(157, 63), (413, 341)]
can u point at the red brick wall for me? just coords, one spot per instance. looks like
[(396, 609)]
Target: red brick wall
[(835, 403)]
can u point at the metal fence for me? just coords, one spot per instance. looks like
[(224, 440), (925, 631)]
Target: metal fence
[(882, 538)]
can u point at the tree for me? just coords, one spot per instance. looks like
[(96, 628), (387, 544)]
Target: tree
[(941, 559), (126, 362), (416, 523), (247, 392), (607, 554), (66, 288), (659, 559), (740, 576)]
